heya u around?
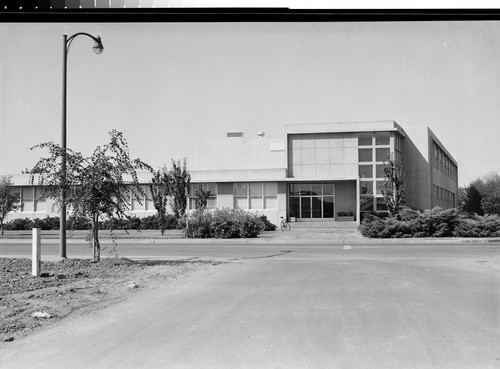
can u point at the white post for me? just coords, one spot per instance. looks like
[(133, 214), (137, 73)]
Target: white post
[(186, 191), (35, 261)]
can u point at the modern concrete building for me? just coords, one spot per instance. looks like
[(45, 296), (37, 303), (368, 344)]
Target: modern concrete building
[(324, 172), (317, 172)]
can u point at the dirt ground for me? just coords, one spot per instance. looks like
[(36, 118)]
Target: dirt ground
[(75, 286)]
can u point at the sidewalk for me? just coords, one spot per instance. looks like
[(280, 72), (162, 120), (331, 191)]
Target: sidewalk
[(295, 236)]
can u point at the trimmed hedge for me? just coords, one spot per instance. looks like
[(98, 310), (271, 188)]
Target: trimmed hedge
[(224, 223), (431, 223), (132, 222)]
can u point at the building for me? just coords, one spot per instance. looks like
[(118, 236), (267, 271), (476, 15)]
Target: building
[(318, 172), (324, 172)]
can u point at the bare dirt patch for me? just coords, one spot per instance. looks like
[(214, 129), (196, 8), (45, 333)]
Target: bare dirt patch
[(75, 286)]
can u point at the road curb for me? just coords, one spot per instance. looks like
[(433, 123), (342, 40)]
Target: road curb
[(268, 241)]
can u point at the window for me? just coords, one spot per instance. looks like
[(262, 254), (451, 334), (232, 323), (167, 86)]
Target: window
[(257, 195), (148, 203), (256, 200), (212, 198), (27, 203), (380, 170), (380, 187), (40, 204), (365, 139), (366, 187), (365, 154), (366, 171), (381, 205), (382, 138), (366, 203), (382, 154)]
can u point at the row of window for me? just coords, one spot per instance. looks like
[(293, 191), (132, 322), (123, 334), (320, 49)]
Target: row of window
[(368, 170), (374, 138), (30, 199), (444, 197), (372, 203), (443, 163), (367, 155), (246, 195)]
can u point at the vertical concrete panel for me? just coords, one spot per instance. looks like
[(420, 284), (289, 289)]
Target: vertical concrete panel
[(337, 170), (336, 155), (322, 155), (308, 156), (308, 171), (322, 171), (336, 140), (351, 170), (350, 140), (351, 155)]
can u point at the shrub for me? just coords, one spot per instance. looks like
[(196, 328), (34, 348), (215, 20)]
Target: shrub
[(20, 224), (224, 223), (431, 223), (268, 225)]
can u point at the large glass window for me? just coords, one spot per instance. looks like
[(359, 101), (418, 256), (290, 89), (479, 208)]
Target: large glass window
[(313, 201), (365, 138), (366, 203), (366, 187), (382, 138), (365, 154), (366, 171), (381, 154), (379, 170)]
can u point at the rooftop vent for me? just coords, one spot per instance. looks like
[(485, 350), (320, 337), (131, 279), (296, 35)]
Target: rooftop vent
[(235, 134)]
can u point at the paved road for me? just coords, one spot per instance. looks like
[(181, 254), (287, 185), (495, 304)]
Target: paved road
[(294, 306)]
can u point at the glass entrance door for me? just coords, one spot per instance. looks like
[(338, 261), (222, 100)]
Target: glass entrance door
[(311, 201)]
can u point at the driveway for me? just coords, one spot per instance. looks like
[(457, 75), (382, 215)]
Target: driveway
[(359, 306)]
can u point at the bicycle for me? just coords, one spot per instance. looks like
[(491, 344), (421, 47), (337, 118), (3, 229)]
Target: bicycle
[(285, 225)]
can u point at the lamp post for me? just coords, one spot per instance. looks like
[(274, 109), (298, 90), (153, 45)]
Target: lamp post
[(98, 48)]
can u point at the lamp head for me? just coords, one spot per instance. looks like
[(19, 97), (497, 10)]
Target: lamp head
[(98, 47)]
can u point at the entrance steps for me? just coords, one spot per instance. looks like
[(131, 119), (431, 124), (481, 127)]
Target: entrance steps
[(331, 224), (331, 230)]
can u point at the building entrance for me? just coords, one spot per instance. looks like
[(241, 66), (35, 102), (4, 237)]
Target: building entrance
[(311, 201)]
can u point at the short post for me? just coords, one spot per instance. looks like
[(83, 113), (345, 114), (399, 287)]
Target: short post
[(36, 252), (186, 191)]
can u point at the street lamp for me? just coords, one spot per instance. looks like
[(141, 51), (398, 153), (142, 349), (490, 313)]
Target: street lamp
[(98, 48)]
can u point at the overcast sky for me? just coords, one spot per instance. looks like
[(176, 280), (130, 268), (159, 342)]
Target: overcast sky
[(166, 84)]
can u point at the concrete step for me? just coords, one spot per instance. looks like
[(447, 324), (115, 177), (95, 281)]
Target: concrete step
[(322, 225)]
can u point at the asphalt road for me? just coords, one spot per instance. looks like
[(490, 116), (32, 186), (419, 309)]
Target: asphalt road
[(293, 306)]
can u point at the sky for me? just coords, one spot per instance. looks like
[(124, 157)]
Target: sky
[(166, 84)]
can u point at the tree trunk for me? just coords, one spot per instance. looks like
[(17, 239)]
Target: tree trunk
[(97, 247), (1, 225)]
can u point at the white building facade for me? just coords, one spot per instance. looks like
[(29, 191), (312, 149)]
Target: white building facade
[(317, 172), (324, 172)]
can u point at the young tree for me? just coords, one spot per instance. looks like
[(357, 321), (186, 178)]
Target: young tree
[(394, 189), (99, 185), (201, 198), (8, 199), (158, 188), (179, 180)]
